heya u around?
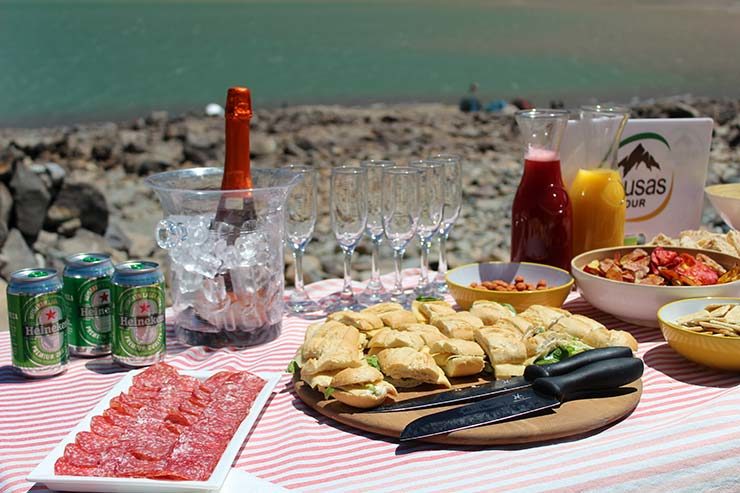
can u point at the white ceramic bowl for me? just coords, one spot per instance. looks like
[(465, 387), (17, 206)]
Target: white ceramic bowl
[(726, 199), (639, 303)]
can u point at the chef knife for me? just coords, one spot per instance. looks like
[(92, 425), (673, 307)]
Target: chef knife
[(531, 372), (546, 393)]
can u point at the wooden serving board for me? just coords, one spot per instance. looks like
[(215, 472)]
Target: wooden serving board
[(573, 418)]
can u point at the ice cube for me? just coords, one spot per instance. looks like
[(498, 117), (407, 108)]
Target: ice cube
[(188, 281), (169, 233), (197, 228), (220, 247), (242, 283), (247, 247), (206, 265), (230, 258), (224, 230), (214, 290)]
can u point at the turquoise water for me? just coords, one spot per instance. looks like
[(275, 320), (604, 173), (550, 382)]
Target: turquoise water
[(69, 60)]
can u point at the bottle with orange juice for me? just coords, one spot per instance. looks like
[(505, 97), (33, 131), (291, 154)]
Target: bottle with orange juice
[(597, 195)]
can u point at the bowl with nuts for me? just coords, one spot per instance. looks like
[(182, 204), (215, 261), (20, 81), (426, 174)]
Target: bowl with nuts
[(520, 284)]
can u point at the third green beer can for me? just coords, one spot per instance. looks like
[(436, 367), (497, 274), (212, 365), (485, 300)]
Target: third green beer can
[(38, 325), (138, 314), (87, 298)]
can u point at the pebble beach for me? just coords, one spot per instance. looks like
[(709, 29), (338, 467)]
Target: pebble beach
[(78, 188)]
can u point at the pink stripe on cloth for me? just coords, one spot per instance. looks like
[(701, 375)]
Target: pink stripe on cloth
[(686, 419)]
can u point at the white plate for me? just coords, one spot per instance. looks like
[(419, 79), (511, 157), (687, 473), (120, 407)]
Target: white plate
[(44, 472)]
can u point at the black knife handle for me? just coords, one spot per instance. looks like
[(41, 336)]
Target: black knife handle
[(602, 375), (532, 372)]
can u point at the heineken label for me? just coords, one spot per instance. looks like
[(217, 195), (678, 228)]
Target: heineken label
[(38, 330), (139, 321), (90, 308)]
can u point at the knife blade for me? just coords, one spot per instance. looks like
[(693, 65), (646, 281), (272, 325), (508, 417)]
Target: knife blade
[(546, 393), (480, 391)]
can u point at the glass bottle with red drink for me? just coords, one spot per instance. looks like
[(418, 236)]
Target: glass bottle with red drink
[(541, 215)]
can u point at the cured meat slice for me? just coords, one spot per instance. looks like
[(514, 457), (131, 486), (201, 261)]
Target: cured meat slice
[(139, 393), (248, 380), (101, 426), (217, 380), (62, 467), (175, 428), (192, 408), (132, 467), (79, 457), (117, 418), (201, 393), (191, 462), (179, 417), (156, 376), (119, 404), (93, 443), (153, 445), (138, 401)]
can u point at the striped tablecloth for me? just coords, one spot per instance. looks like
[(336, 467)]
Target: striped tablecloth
[(683, 436)]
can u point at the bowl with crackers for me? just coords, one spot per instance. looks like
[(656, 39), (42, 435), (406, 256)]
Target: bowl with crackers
[(704, 330)]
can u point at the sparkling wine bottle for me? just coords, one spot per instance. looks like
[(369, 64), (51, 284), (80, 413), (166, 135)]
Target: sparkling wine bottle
[(234, 210)]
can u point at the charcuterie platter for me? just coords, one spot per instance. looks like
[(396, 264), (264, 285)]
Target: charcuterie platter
[(60, 470)]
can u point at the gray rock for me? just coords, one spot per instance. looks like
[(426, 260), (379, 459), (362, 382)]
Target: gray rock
[(16, 254), (58, 214), (31, 198), (203, 133), (133, 140), (78, 199), (157, 117), (262, 145), (141, 246), (3, 232), (36, 141), (312, 271), (6, 203), (46, 242), (87, 241), (161, 156), (117, 237), (9, 155), (68, 228), (3, 301)]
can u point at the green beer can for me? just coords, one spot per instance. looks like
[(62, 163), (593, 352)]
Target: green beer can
[(37, 321), (87, 298), (138, 314)]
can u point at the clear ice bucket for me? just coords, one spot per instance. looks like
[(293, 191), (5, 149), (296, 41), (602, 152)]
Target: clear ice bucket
[(226, 282)]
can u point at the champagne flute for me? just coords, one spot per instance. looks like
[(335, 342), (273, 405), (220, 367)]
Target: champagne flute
[(431, 199), (401, 208), (374, 291), (300, 219), (348, 207), (450, 214)]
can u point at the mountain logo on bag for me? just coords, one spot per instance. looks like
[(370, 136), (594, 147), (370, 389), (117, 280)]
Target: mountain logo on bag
[(647, 175), (638, 156)]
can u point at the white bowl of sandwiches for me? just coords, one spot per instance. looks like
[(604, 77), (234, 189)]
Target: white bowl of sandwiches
[(365, 358)]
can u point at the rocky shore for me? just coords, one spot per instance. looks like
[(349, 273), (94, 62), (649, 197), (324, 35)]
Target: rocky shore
[(80, 188)]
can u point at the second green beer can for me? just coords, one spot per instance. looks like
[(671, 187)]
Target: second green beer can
[(138, 314), (87, 298)]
